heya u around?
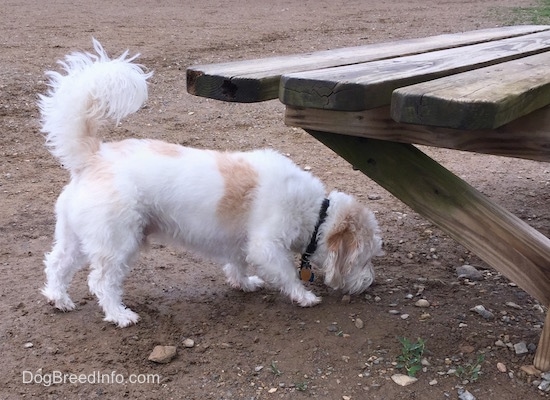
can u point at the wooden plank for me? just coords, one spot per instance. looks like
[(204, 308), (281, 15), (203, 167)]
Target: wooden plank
[(542, 357), (502, 240), (258, 80), (485, 98), (527, 137), (370, 85)]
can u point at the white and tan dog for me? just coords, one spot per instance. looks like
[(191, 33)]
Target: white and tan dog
[(251, 210)]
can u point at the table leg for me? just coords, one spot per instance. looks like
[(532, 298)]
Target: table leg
[(498, 237), (542, 357)]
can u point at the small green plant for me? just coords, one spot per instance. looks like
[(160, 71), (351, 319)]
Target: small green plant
[(471, 371), (275, 370), (411, 355), (301, 386)]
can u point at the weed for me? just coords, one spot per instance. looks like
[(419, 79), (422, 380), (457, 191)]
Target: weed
[(471, 371), (411, 355), (301, 386), (275, 370)]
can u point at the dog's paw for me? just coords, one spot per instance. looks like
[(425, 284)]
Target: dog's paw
[(308, 299), (123, 317), (252, 283), (61, 301)]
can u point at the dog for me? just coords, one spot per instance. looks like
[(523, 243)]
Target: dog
[(252, 211)]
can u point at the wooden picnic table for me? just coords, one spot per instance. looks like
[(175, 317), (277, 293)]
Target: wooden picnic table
[(484, 91)]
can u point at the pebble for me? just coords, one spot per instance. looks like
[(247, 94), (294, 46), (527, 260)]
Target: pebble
[(425, 316), (514, 305), (544, 386), (521, 348), (28, 345), (346, 298), (403, 380), (394, 312), (465, 395), (374, 197), (501, 367), (530, 370), (433, 382), (404, 316), (422, 303), (359, 324), (469, 272), (272, 390), (162, 354), (488, 315), (188, 343)]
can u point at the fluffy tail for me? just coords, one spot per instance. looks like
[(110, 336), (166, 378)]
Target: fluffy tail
[(93, 89)]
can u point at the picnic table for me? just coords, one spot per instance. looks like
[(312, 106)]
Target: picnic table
[(483, 91)]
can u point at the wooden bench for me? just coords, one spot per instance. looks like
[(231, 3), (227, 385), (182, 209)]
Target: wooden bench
[(486, 91)]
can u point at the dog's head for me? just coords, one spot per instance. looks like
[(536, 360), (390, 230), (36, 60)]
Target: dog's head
[(349, 239)]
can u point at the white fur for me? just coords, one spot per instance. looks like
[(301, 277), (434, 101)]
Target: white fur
[(251, 210)]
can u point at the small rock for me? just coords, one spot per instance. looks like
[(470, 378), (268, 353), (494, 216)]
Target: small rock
[(425, 316), (162, 354), (514, 305), (28, 345), (488, 315), (188, 343), (501, 367), (377, 299), (403, 380), (544, 386), (404, 316), (332, 328), (374, 197), (394, 312), (359, 324), (346, 298), (469, 272), (272, 390), (258, 368), (425, 362), (545, 376), (422, 303), (500, 343), (521, 348), (530, 370), (466, 349), (433, 382), (465, 395)]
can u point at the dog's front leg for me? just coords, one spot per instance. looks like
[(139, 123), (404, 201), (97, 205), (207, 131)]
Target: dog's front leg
[(275, 265)]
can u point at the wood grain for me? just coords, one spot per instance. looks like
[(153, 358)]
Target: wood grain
[(542, 356), (527, 137), (502, 240), (369, 85), (485, 98), (258, 80)]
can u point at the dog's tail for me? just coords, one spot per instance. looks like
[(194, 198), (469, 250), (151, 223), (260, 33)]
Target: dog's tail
[(93, 89)]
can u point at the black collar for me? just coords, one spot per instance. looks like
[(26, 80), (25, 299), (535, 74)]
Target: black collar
[(305, 264)]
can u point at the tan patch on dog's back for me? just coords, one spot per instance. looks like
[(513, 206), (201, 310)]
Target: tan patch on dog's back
[(165, 149), (240, 181)]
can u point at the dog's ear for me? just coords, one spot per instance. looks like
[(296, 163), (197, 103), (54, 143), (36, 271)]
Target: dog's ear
[(343, 245)]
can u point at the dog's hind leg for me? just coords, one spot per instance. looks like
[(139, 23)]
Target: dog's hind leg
[(61, 264), (238, 279), (106, 282), (275, 266)]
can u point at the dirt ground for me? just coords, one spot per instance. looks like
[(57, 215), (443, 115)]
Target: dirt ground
[(248, 346)]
